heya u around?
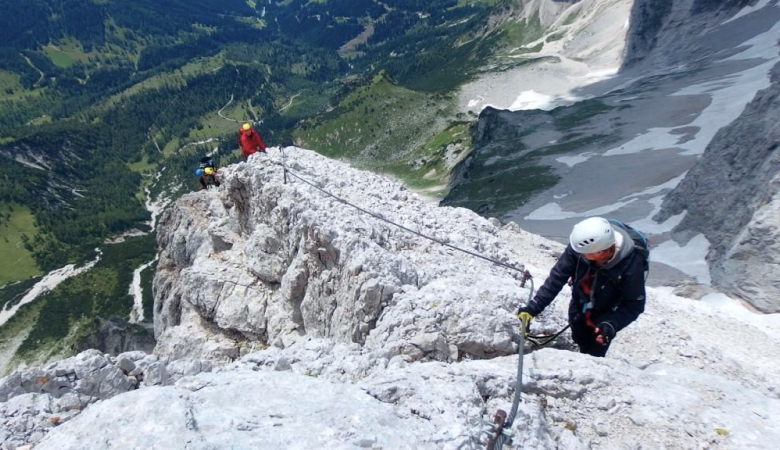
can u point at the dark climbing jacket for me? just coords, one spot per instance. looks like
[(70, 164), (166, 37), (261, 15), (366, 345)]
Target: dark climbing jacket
[(617, 289), (206, 161)]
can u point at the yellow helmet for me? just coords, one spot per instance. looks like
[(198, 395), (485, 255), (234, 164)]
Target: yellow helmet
[(209, 171), (246, 127)]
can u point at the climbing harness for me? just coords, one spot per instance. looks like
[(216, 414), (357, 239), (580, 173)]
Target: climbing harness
[(211, 182)]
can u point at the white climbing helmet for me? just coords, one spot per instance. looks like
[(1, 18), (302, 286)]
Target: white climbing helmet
[(592, 235)]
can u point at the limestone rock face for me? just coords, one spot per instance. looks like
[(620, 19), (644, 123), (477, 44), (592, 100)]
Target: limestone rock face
[(260, 263), (749, 269), (89, 373), (665, 33), (317, 394), (731, 194), (732, 197), (33, 401), (117, 336)]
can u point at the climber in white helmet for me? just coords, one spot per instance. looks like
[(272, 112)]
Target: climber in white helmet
[(606, 264)]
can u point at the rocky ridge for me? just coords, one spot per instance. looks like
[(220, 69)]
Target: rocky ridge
[(280, 261), (297, 357)]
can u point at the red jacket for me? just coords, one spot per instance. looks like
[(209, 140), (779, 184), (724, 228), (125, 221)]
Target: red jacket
[(250, 142)]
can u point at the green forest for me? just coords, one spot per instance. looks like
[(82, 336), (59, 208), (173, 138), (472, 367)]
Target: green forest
[(58, 320), (89, 109), (103, 103)]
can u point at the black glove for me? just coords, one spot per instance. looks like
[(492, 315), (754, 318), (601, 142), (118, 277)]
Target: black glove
[(525, 314), (606, 331)]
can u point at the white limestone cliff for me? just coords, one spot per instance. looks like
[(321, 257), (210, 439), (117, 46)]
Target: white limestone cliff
[(265, 262), (288, 319)]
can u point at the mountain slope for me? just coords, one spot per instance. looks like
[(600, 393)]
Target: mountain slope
[(138, 88), (741, 166), (691, 69), (560, 46), (314, 314), (106, 108)]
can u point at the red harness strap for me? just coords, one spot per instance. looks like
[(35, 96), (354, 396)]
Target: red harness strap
[(589, 321), (585, 284)]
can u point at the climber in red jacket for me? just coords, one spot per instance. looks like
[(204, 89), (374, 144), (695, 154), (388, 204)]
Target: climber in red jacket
[(249, 140)]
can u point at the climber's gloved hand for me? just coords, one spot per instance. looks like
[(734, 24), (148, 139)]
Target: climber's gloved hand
[(605, 332), (525, 315)]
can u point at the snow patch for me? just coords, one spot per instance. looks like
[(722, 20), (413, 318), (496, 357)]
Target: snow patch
[(750, 9), (689, 259), (572, 161), (136, 291), (669, 185), (553, 211), (729, 94), (535, 100), (650, 226), (47, 283)]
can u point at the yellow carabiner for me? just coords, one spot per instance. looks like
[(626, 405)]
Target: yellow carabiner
[(526, 319)]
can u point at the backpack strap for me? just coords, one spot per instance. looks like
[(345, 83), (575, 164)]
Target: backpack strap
[(641, 245)]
